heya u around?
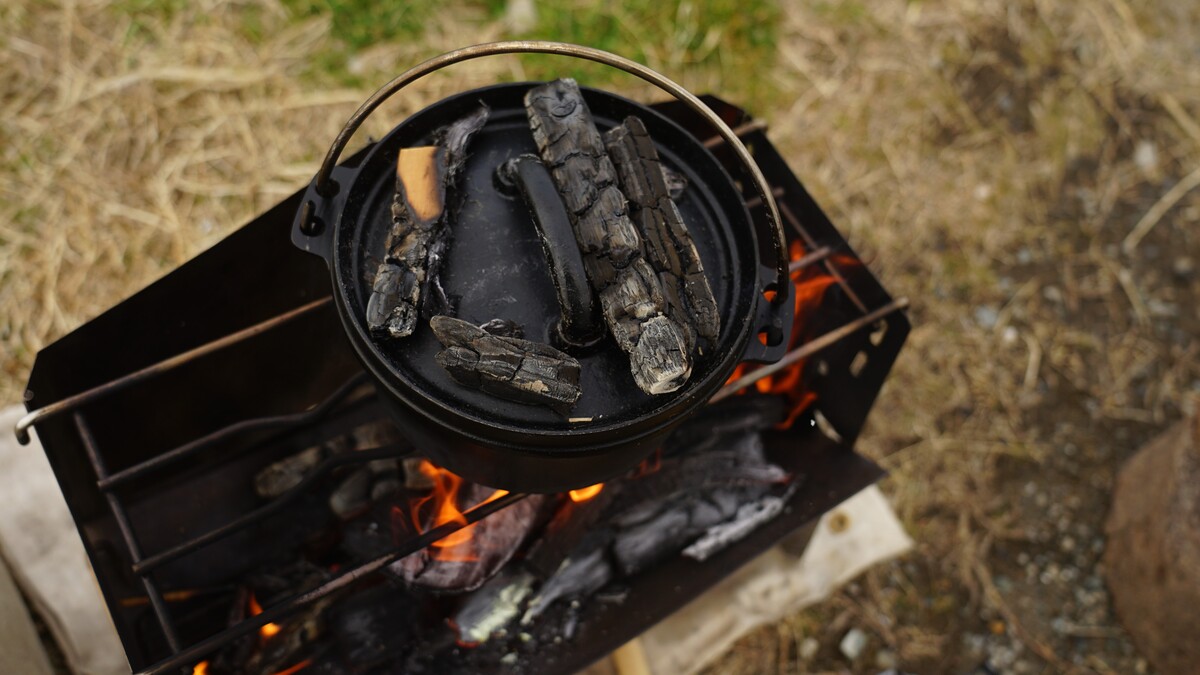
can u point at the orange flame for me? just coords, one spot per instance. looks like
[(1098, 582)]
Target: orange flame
[(200, 668), (268, 630), (809, 285), (445, 509), (584, 494)]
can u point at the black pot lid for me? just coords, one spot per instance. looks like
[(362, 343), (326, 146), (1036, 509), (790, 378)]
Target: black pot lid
[(497, 269)]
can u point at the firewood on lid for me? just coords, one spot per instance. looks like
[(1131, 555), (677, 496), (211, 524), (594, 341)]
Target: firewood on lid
[(667, 244), (506, 367), (631, 294), (407, 282)]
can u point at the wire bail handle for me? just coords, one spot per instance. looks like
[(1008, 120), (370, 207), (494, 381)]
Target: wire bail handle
[(325, 187)]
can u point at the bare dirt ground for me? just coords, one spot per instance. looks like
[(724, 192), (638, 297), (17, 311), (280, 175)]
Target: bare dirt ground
[(1027, 172)]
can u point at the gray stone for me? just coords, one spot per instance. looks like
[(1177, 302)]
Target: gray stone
[(853, 644)]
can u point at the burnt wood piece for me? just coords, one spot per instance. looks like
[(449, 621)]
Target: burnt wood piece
[(697, 496), (472, 560), (506, 367), (631, 297), (666, 242), (571, 522), (406, 283), (493, 606)]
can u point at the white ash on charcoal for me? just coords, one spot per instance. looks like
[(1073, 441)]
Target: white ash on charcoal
[(465, 560), (352, 496), (407, 283), (490, 609), (631, 296), (666, 242), (747, 519), (283, 475), (506, 367), (582, 574)]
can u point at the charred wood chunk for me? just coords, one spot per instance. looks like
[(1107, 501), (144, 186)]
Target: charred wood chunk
[(407, 281), (465, 562), (666, 241), (507, 367), (631, 294), (494, 606), (572, 521)]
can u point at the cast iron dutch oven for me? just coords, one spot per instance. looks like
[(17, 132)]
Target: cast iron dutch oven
[(497, 268)]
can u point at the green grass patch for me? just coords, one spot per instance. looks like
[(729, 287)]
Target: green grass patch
[(728, 44)]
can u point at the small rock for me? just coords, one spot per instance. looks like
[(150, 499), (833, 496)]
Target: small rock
[(1010, 336), (1053, 294), (853, 644), (986, 317), (885, 659), (809, 648), (1145, 156), (1184, 266)]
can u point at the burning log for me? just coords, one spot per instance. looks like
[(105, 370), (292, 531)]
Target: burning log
[(631, 296), (570, 524), (507, 367), (667, 244), (698, 496), (407, 281), (466, 559)]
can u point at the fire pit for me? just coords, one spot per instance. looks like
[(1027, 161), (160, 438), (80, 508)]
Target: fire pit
[(249, 506)]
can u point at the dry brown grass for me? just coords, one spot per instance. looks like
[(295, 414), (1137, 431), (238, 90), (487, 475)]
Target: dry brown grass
[(991, 157)]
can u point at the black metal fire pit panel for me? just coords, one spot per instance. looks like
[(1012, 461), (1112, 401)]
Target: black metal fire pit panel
[(255, 274)]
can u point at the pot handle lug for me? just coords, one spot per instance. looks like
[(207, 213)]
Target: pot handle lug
[(316, 218), (772, 322), (324, 184)]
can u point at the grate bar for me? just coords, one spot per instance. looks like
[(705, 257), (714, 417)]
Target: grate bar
[(190, 448), (810, 259), (808, 349), (261, 513), (740, 131), (789, 216), (126, 527), (279, 611), (169, 363), (810, 243)]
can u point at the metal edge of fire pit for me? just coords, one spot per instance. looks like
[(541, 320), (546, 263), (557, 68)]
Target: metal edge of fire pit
[(230, 292)]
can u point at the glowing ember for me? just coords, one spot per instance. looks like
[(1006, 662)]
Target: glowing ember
[(296, 668), (200, 668), (445, 508), (268, 630), (584, 494)]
